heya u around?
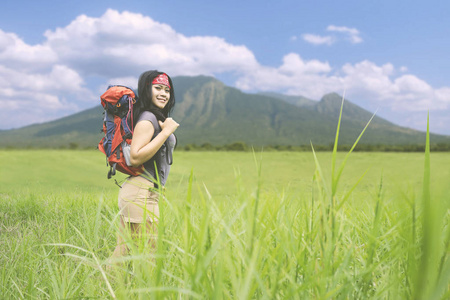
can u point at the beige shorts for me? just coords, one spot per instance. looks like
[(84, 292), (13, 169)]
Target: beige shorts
[(138, 200)]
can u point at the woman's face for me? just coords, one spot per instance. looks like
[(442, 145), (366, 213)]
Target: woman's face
[(160, 95)]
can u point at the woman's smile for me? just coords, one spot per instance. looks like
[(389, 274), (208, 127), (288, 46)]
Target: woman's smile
[(160, 95)]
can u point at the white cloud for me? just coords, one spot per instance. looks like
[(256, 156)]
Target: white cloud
[(369, 79), (318, 40), (295, 76), (352, 33), (135, 43), (36, 97), (129, 81), (15, 53), (293, 63)]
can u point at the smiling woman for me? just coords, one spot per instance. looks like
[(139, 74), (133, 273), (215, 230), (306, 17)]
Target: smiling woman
[(151, 146)]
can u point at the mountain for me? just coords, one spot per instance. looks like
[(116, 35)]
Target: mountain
[(210, 112), (81, 129), (295, 100)]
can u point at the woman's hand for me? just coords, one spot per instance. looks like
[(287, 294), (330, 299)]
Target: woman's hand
[(169, 125)]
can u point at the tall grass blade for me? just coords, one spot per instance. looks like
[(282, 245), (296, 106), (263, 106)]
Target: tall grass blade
[(424, 279), (336, 138), (337, 177), (255, 210)]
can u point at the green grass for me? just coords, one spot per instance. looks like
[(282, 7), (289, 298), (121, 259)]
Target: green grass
[(234, 226)]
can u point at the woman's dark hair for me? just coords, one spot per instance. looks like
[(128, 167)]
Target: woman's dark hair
[(145, 97)]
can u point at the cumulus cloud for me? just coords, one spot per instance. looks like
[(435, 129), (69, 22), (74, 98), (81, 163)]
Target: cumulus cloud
[(295, 76), (43, 81), (15, 53), (351, 33), (318, 40), (37, 97), (135, 42), (341, 32)]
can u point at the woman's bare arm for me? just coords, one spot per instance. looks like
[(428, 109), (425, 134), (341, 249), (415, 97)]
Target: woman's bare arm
[(143, 147)]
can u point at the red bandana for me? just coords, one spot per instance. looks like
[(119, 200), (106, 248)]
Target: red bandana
[(161, 79)]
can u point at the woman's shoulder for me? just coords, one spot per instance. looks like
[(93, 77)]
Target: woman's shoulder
[(148, 116)]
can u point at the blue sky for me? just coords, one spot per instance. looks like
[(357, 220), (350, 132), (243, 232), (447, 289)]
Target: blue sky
[(56, 57)]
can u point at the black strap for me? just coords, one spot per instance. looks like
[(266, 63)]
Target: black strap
[(112, 171), (117, 183)]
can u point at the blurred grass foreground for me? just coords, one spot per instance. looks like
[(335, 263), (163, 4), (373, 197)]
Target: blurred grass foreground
[(234, 225)]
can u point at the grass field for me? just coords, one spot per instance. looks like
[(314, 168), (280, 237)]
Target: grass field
[(235, 225)]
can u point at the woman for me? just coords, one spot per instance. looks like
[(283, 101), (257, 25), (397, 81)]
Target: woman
[(152, 146)]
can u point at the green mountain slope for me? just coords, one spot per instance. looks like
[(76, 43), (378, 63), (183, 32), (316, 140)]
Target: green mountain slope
[(295, 100), (80, 129), (210, 112)]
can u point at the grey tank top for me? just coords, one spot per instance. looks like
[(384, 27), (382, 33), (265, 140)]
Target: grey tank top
[(163, 157)]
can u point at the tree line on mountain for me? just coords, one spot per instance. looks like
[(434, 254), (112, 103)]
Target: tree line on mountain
[(242, 146)]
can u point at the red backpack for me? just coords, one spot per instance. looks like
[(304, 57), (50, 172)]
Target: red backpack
[(118, 124)]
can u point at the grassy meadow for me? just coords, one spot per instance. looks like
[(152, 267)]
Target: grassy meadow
[(234, 225)]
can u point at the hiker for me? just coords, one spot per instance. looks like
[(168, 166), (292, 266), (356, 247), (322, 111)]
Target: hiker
[(152, 145)]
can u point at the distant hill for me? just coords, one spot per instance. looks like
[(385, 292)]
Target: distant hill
[(211, 112), (299, 101), (81, 129)]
